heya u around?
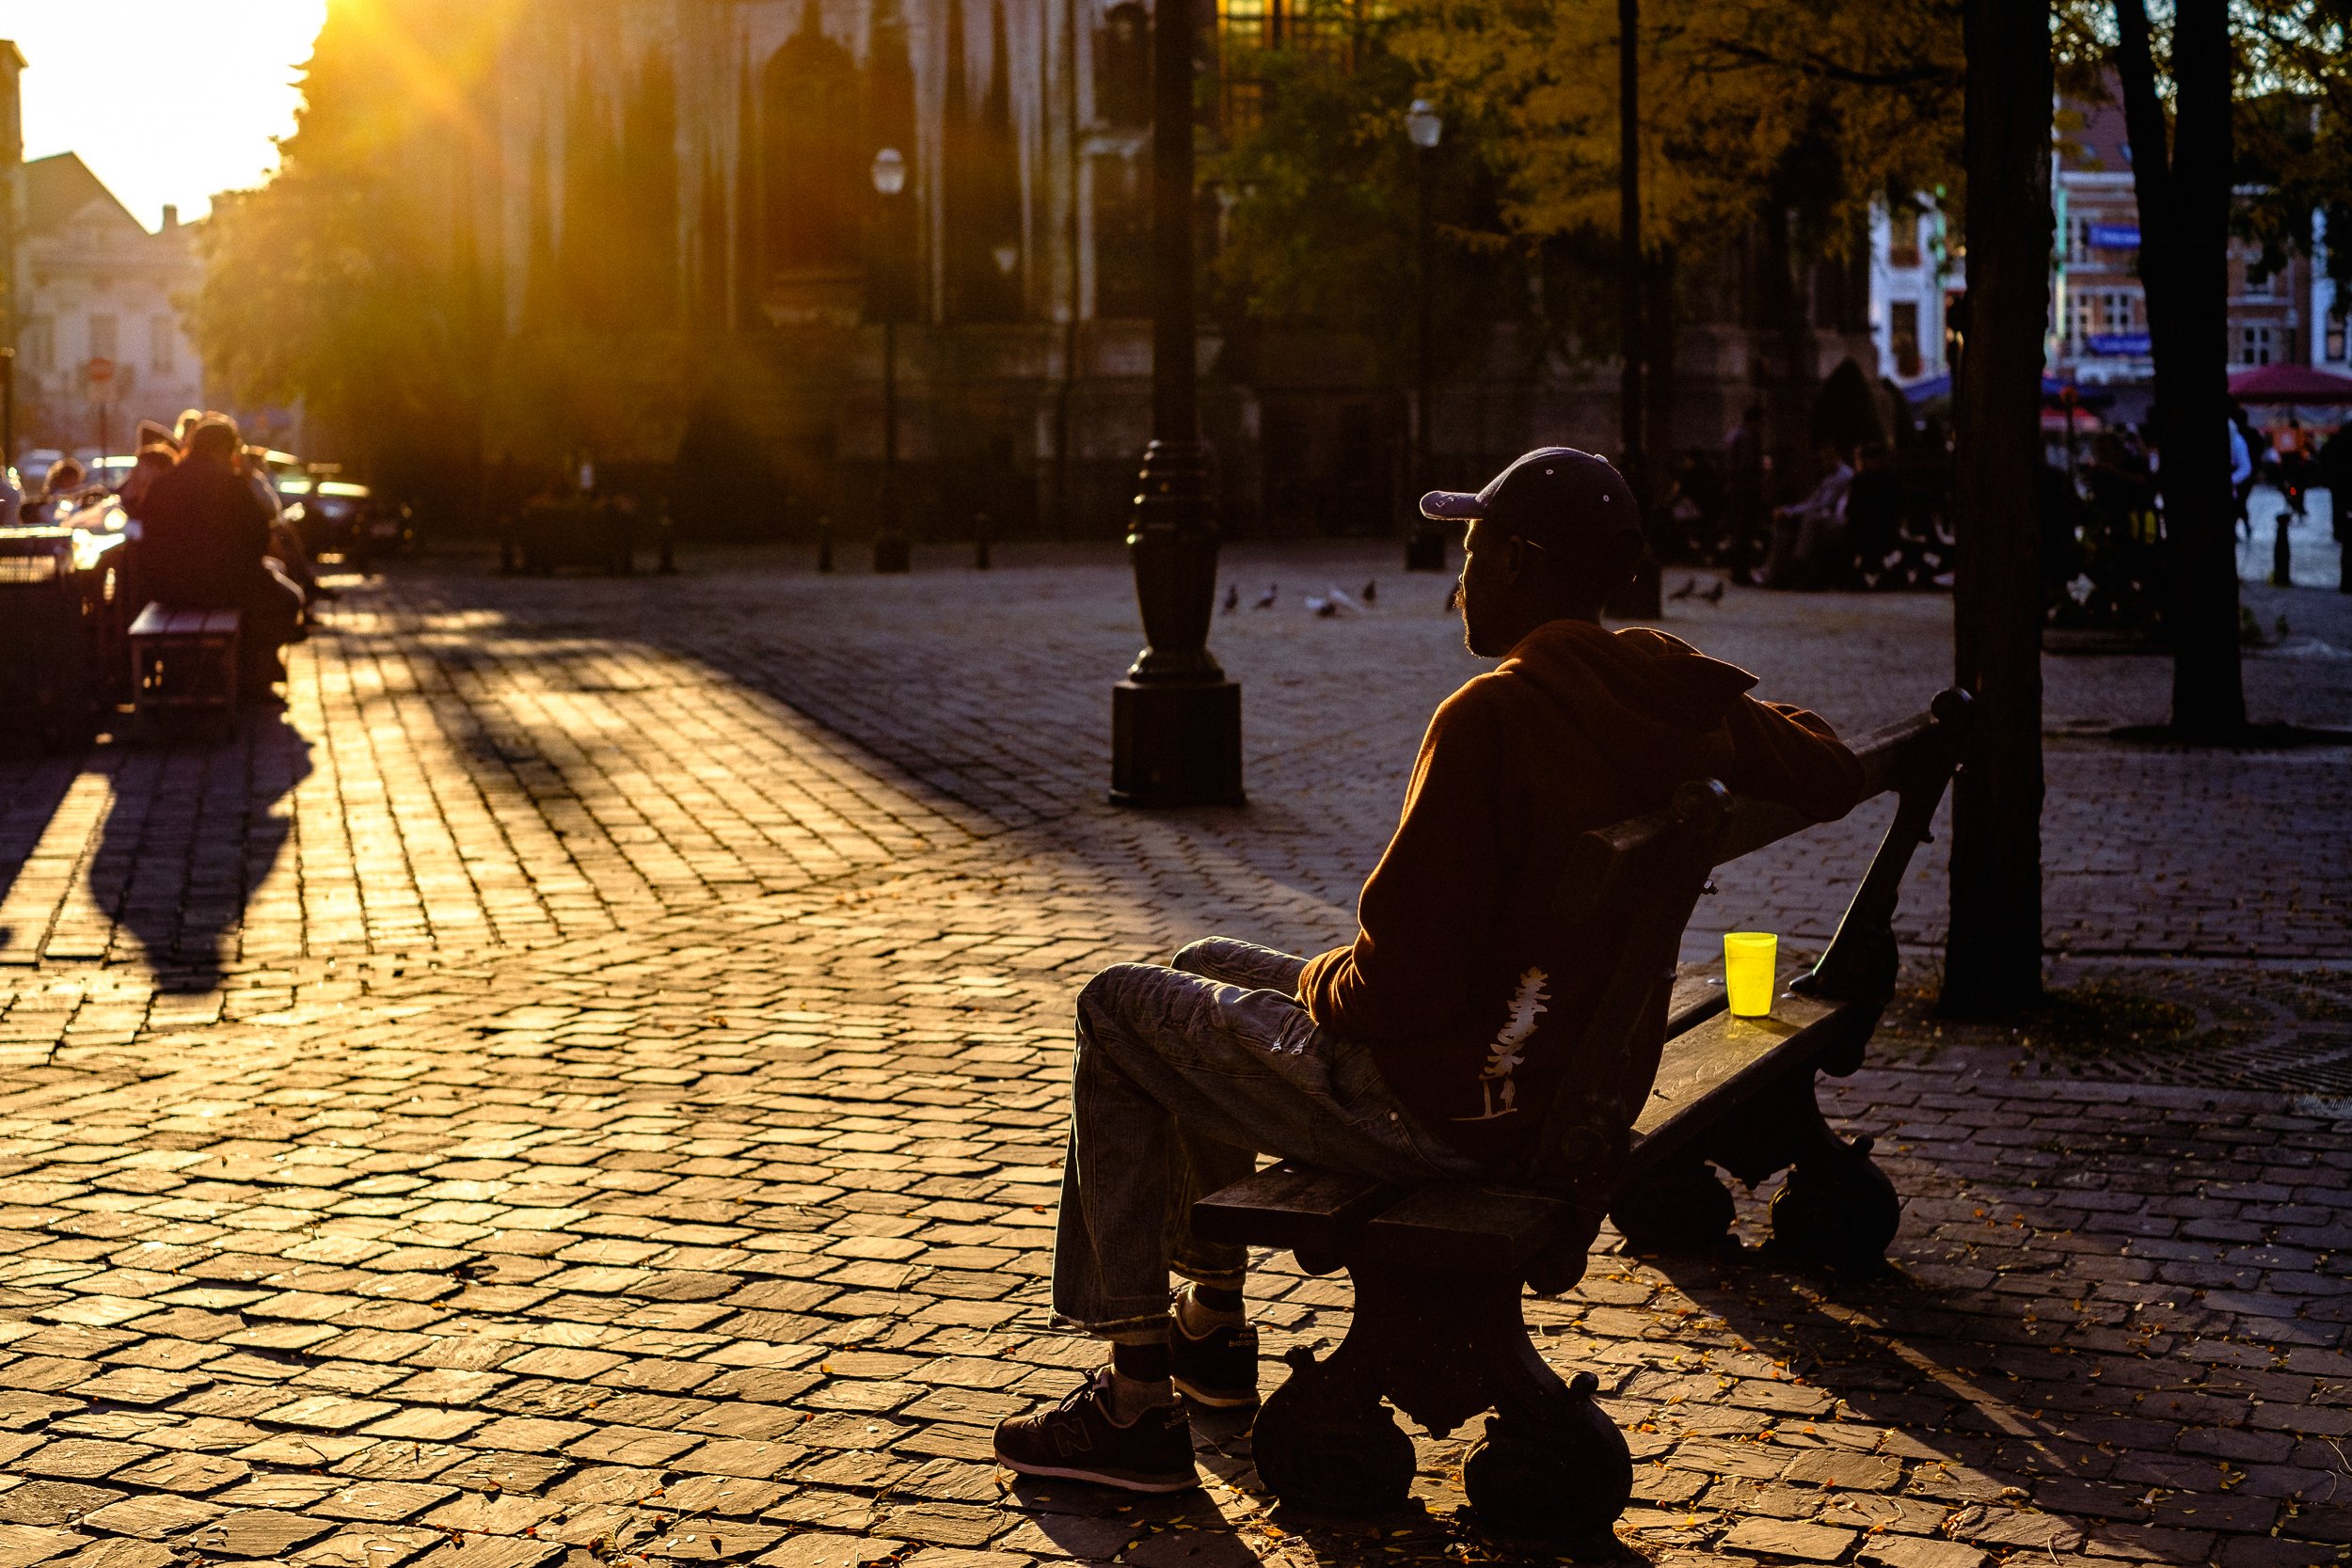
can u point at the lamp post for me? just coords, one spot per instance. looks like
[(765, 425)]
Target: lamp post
[(890, 178), (1425, 545), (1175, 720)]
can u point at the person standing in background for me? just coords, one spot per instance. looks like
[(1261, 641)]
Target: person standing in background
[(1747, 469)]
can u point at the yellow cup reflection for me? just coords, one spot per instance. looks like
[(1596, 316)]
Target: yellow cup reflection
[(1749, 960)]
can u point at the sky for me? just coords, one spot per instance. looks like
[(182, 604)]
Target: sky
[(168, 100)]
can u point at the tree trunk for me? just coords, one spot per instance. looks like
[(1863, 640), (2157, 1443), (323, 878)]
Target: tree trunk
[(1659, 353), (2183, 261), (1993, 955), (1630, 406)]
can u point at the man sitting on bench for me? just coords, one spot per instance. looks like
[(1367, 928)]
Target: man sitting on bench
[(1427, 1050), (203, 542)]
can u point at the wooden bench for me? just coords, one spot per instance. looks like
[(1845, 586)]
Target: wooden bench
[(184, 662), (1438, 1270)]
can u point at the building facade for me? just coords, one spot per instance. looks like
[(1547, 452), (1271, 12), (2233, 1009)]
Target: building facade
[(2329, 350), (675, 197), (102, 343), (2098, 324), (1913, 275), (95, 302)]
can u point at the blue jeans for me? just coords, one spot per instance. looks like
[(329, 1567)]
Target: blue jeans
[(1183, 1077)]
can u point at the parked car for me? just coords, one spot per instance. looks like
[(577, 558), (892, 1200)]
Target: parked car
[(336, 517), (107, 473)]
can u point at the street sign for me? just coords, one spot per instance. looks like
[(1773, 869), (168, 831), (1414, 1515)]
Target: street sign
[(98, 370)]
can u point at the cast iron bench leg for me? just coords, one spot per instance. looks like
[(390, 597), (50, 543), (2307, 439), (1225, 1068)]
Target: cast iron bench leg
[(1443, 1344), (1685, 1207), (1837, 1206)]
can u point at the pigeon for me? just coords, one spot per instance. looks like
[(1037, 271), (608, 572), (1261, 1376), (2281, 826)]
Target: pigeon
[(1372, 592), (1321, 607), (1337, 598), (1267, 601), (1233, 598), (1686, 590), (1714, 594)]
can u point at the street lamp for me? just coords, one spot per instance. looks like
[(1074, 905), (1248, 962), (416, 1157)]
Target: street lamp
[(890, 543), (1175, 720), (1425, 545)]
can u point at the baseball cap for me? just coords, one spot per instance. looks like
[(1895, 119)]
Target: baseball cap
[(1553, 495)]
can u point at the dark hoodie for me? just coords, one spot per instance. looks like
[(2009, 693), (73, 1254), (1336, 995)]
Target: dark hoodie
[(1455, 968)]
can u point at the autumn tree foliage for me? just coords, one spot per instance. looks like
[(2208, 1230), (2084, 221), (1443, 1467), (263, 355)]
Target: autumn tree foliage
[(1823, 106), (1321, 183), (344, 284)]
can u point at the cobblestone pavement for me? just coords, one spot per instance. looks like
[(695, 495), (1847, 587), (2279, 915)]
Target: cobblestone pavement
[(585, 1085)]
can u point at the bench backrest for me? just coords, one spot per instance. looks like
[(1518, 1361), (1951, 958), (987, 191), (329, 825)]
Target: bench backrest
[(1629, 891)]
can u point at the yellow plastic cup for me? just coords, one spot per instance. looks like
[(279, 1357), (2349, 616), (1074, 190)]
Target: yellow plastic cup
[(1749, 961)]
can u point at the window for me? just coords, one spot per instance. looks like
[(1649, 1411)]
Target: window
[(1122, 236), (2255, 345), (1902, 249), (162, 343), (2117, 314), (2257, 279), (2335, 335), (1330, 28), (1903, 337), (104, 340), (2078, 241), (1122, 70), (814, 160), (40, 342), (2084, 312)]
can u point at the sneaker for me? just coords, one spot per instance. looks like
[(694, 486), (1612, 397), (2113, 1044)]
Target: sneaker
[(1077, 1440), (1220, 1368)]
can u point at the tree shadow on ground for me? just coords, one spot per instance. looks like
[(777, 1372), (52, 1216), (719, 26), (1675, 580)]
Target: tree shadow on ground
[(193, 831)]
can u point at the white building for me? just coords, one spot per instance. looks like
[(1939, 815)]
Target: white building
[(84, 289), (1912, 273), (100, 340), (2329, 351)]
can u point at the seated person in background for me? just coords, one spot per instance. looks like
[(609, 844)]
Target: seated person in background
[(1801, 532), (205, 543), (285, 545), (58, 488), (158, 452), (1429, 1048)]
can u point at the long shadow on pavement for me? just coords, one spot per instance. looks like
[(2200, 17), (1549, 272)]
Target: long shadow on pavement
[(192, 832), (2033, 1411)]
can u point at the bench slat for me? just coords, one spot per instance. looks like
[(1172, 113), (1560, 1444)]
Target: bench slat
[(162, 620), (1715, 1055), (1290, 1206), (1462, 1227)]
